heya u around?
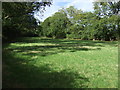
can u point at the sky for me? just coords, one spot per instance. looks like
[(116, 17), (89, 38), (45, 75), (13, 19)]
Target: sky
[(85, 5)]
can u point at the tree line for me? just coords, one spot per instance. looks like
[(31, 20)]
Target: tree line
[(101, 24)]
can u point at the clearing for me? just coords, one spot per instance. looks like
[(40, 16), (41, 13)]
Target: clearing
[(60, 63)]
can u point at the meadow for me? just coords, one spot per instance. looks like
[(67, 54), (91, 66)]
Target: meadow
[(35, 62)]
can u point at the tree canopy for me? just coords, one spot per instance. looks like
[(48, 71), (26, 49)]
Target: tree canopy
[(18, 18), (101, 24)]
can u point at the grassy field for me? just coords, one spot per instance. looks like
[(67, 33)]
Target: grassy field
[(60, 63)]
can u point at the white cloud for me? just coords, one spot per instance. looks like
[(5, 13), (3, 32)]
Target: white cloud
[(85, 5)]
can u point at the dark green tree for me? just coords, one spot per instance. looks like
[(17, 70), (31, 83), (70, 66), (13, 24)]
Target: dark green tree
[(56, 25), (18, 18)]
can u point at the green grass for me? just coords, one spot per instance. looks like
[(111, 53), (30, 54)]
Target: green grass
[(35, 62)]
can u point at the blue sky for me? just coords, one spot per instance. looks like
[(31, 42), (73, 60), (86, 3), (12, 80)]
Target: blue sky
[(85, 5)]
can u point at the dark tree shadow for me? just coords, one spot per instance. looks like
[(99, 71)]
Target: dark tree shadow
[(58, 47), (49, 50), (19, 73), (63, 41)]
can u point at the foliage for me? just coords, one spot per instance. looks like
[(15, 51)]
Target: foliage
[(56, 25), (18, 18), (101, 24)]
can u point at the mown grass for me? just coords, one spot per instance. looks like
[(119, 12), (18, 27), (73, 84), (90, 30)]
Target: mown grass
[(60, 63)]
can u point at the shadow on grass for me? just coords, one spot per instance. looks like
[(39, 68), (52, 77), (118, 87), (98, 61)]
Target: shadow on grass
[(19, 73), (49, 50), (64, 41), (60, 45), (22, 73)]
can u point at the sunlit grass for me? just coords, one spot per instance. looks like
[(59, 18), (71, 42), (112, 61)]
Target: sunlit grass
[(45, 62)]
